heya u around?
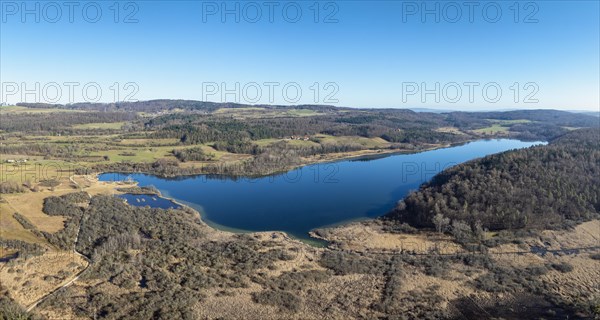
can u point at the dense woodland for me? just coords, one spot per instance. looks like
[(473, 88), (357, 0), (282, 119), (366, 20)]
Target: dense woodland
[(400, 126), (59, 122), (172, 264), (551, 186), (197, 122), (159, 264)]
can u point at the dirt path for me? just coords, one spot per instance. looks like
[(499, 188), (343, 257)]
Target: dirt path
[(70, 282)]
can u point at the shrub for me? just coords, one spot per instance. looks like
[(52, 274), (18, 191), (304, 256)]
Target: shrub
[(461, 231), (537, 270), (192, 154), (562, 267), (10, 310), (11, 187), (282, 299), (400, 228), (50, 183), (298, 280), (24, 221), (342, 263), (25, 249), (76, 197)]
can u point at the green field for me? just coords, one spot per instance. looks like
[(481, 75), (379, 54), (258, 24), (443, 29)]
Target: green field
[(238, 110), (506, 122), (18, 109), (257, 112), (100, 125), (500, 126), (302, 113), (35, 169), (493, 129), (368, 143)]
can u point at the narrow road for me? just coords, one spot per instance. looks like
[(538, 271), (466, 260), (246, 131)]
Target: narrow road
[(70, 282)]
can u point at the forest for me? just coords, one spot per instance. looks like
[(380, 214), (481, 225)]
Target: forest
[(155, 263), (59, 122), (111, 231), (195, 122), (551, 186)]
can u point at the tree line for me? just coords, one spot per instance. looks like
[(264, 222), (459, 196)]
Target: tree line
[(551, 186)]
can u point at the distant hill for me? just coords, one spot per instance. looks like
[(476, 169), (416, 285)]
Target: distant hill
[(393, 125), (589, 113), (431, 110), (556, 117), (166, 105)]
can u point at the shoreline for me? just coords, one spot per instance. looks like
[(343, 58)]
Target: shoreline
[(318, 242), (311, 235), (335, 157), (342, 157), (216, 227)]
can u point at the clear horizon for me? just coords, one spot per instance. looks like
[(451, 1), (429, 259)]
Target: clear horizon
[(441, 108), (382, 54)]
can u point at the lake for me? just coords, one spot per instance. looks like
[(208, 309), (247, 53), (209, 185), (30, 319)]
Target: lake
[(316, 195)]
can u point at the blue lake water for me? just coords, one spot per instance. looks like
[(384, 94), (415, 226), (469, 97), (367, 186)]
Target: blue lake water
[(316, 195)]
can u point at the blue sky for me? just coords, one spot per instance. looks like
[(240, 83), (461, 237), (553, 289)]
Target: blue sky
[(359, 53)]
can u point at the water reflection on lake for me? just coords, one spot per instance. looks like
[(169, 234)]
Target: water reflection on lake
[(316, 195)]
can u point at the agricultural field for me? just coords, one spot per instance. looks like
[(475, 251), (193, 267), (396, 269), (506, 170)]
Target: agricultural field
[(11, 229), (493, 129), (20, 109), (113, 125), (302, 113), (509, 122), (500, 127)]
